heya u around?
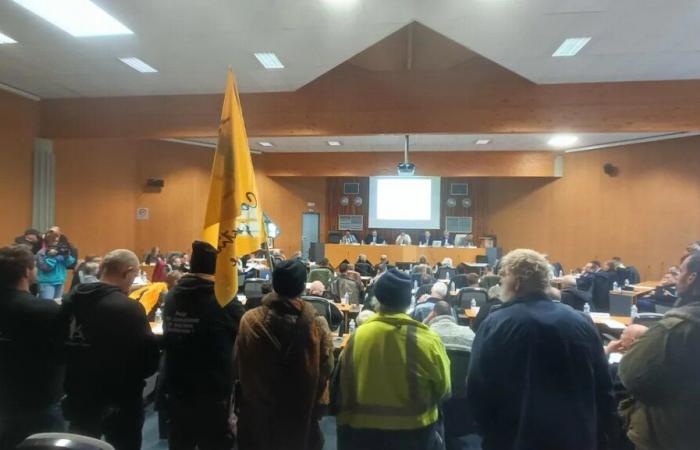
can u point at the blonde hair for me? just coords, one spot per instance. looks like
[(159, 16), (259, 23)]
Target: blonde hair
[(530, 269)]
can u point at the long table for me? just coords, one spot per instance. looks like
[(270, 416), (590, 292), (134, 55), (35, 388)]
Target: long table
[(336, 253)]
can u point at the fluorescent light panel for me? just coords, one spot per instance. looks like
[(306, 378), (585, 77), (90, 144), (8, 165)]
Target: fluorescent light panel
[(80, 18), (5, 39), (335, 143), (137, 64), (266, 144), (269, 60), (571, 46), (483, 141), (562, 140)]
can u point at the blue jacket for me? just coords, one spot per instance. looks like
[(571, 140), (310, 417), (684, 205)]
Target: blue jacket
[(52, 269), (538, 379)]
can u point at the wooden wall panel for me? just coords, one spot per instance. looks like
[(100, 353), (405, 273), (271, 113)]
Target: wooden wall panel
[(19, 126), (647, 214)]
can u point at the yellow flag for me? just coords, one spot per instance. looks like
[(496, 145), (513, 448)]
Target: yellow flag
[(233, 220)]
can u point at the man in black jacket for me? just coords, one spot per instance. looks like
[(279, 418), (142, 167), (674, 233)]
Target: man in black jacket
[(199, 336), (30, 238), (538, 376), (31, 371), (111, 350)]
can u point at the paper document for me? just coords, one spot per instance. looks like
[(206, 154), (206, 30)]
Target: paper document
[(614, 324)]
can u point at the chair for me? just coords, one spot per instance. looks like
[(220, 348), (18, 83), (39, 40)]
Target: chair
[(445, 273), (465, 296), (63, 441), (458, 419), (322, 274), (459, 281), (252, 289), (341, 286), (489, 281), (323, 308), (424, 289), (364, 269), (633, 275), (648, 319), (600, 293)]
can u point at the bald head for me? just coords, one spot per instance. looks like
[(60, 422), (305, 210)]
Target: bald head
[(631, 334), (120, 267), (317, 288), (442, 308)]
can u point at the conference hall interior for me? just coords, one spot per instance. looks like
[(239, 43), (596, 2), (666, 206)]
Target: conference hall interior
[(349, 224)]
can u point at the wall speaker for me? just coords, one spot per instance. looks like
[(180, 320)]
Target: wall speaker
[(611, 170), (155, 182)]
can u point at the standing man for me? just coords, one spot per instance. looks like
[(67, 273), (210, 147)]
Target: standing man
[(111, 350), (403, 239), (393, 375), (374, 239), (30, 238), (662, 373), (538, 376), (348, 238), (283, 358), (31, 370), (199, 336)]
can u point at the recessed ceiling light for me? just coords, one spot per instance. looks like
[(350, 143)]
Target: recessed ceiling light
[(269, 60), (5, 39), (137, 64), (482, 141), (335, 143), (571, 46), (266, 144), (562, 140), (80, 18)]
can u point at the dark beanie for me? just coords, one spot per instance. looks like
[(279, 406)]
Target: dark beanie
[(393, 289), (289, 278), (203, 258)]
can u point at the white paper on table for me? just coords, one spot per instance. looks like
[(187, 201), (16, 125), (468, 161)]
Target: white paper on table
[(614, 358), (600, 316), (614, 324)]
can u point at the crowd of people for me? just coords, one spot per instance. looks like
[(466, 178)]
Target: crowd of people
[(425, 239), (531, 371)]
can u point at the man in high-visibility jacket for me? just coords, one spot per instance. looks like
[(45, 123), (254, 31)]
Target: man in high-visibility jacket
[(391, 377)]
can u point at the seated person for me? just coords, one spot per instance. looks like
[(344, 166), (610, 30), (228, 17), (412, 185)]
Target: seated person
[(316, 289), (374, 238), (383, 261), (425, 284), (494, 302), (422, 265), (473, 281), (489, 279), (425, 239), (354, 274), (442, 321), (345, 283), (89, 272), (427, 303), (363, 267), (403, 238), (469, 240), (573, 296), (664, 294), (348, 238), (585, 281), (447, 239)]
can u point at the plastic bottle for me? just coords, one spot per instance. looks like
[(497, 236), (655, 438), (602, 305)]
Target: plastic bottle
[(346, 298), (448, 275), (616, 287), (586, 308), (627, 282), (159, 316), (561, 273), (473, 303), (415, 284), (634, 312), (352, 326)]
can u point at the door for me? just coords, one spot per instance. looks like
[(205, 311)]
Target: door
[(310, 222)]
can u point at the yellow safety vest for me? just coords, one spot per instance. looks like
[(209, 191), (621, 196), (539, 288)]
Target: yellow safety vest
[(394, 372)]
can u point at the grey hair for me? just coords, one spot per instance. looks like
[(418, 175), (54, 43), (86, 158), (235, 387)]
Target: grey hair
[(530, 268), (118, 261)]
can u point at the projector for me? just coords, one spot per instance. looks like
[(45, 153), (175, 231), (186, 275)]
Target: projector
[(406, 169)]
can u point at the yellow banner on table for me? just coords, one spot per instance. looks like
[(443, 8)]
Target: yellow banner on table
[(233, 221)]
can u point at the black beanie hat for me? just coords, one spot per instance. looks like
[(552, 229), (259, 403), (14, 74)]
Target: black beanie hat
[(289, 278), (393, 289), (203, 258)]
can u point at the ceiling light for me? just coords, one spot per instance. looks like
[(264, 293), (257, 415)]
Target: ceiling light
[(269, 60), (137, 64), (482, 141), (562, 140), (5, 39), (571, 46), (80, 18), (266, 144), (334, 143)]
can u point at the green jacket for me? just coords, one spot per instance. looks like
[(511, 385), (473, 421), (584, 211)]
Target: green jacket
[(662, 373)]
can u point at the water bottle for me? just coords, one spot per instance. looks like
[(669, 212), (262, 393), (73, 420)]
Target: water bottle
[(346, 298), (352, 326), (448, 275), (634, 312), (586, 308), (415, 284), (267, 277), (561, 273), (473, 303), (616, 287), (627, 282), (159, 316)]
